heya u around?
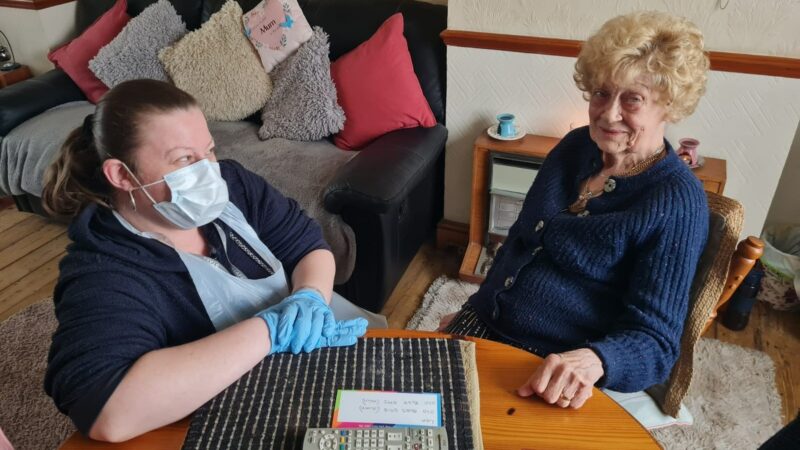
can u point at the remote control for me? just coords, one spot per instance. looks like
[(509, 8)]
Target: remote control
[(398, 438)]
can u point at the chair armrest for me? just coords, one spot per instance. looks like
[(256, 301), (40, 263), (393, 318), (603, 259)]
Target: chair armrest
[(384, 172), (21, 101)]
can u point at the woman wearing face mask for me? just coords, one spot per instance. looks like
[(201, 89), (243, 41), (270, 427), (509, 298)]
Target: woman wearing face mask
[(595, 274), (184, 272)]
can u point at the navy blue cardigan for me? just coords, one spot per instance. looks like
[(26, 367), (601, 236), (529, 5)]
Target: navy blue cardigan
[(120, 296), (616, 280)]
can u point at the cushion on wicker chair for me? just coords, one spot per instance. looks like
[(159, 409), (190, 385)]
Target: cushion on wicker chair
[(725, 224)]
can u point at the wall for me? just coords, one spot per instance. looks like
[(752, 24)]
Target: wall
[(785, 207), (33, 33), (749, 120), (744, 26)]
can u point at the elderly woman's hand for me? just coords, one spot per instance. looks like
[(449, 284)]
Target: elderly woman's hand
[(445, 321), (565, 379)]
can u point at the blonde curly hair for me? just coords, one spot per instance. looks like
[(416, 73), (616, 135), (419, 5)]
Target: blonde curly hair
[(666, 49)]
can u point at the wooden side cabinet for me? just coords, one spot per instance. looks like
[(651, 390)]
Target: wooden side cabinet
[(713, 175), (14, 76)]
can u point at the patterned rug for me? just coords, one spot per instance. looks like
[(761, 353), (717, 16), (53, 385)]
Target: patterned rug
[(733, 397), (27, 415)]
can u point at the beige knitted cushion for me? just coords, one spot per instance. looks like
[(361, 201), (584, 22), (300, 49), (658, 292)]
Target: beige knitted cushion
[(219, 67), (725, 224)]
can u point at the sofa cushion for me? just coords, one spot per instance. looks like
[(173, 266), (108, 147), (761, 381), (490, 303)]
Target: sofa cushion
[(73, 57), (303, 104), (219, 67), (378, 88), (133, 54), (300, 170), (276, 28), (29, 148), (351, 22)]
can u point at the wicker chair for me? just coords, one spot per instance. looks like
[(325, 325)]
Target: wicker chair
[(720, 271)]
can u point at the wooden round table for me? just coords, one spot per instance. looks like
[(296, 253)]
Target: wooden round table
[(507, 420)]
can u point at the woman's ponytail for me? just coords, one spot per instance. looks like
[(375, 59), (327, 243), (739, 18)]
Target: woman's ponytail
[(75, 179)]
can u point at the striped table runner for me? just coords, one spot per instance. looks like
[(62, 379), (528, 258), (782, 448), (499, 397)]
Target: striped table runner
[(271, 406)]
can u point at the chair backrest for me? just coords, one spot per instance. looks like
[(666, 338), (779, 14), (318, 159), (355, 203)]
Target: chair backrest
[(719, 273)]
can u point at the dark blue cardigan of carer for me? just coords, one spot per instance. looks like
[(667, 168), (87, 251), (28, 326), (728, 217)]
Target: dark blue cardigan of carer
[(616, 280), (120, 296)]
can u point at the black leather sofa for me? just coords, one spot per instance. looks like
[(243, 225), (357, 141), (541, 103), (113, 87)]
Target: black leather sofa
[(391, 193)]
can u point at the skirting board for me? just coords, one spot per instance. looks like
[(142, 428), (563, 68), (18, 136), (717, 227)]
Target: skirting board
[(450, 233)]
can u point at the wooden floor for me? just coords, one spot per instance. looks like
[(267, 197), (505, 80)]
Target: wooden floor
[(30, 248)]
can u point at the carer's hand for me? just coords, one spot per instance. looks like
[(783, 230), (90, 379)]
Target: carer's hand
[(299, 321), (565, 379), (346, 334), (307, 312)]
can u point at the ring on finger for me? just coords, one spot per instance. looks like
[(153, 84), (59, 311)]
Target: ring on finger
[(565, 398)]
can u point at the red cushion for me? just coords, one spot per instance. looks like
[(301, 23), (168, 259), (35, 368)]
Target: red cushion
[(73, 57), (378, 89)]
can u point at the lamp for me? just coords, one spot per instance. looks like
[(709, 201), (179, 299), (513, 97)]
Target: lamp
[(7, 56)]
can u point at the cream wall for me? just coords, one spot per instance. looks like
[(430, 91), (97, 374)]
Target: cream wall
[(749, 120), (785, 207), (34, 32)]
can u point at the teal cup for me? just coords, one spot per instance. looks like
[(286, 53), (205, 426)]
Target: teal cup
[(505, 125)]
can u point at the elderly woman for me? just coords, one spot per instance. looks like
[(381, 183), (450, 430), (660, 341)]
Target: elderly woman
[(184, 271), (595, 273)]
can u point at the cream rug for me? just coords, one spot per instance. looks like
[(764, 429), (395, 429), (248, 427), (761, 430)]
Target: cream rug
[(733, 397)]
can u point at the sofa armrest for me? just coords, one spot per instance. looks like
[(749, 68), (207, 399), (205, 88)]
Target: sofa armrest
[(385, 171), (21, 101)]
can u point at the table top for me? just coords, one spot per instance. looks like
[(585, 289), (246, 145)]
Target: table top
[(507, 420)]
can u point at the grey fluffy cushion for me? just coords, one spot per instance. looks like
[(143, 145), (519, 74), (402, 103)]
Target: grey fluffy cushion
[(219, 67), (133, 53), (303, 104)]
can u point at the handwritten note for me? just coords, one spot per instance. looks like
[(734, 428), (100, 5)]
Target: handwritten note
[(366, 408)]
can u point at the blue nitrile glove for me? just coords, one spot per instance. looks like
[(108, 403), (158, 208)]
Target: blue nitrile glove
[(272, 317), (302, 319), (347, 333)]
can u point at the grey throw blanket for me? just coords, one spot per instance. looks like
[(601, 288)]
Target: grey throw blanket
[(300, 170), (29, 148)]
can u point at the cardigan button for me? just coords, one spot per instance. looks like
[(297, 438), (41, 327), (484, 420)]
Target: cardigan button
[(495, 311), (610, 185), (509, 281), (536, 250), (539, 226)]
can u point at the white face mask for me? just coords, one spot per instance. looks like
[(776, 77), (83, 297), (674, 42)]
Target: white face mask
[(199, 194)]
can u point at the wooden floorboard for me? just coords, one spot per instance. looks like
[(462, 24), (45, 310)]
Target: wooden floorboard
[(31, 247), (428, 264)]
